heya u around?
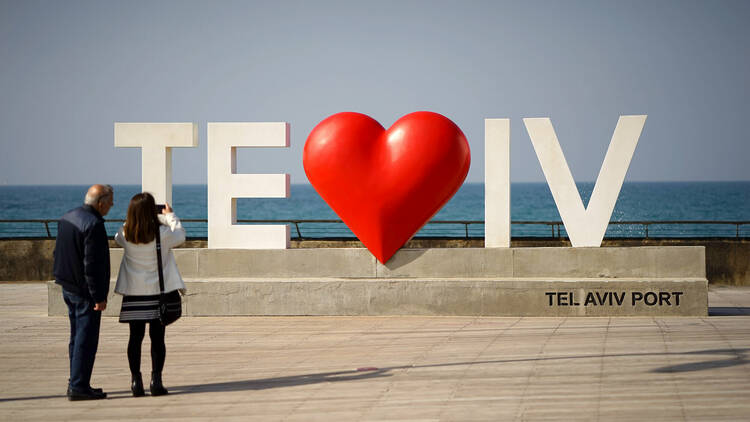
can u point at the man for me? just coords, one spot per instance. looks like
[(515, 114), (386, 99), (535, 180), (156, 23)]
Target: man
[(82, 269)]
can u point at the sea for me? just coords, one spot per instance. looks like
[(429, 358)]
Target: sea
[(639, 202)]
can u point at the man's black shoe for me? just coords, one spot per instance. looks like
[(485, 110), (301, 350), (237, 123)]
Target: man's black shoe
[(98, 390), (90, 394), (95, 389)]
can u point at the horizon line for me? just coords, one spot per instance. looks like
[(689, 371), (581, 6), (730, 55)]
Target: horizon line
[(309, 184)]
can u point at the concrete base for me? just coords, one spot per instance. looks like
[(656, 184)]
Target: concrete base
[(479, 297), (644, 281)]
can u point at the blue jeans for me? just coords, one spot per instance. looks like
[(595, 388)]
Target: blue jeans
[(84, 339)]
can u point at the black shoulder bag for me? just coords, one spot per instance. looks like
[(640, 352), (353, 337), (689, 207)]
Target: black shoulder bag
[(170, 304)]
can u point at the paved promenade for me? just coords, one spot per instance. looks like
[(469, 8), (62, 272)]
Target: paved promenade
[(392, 368)]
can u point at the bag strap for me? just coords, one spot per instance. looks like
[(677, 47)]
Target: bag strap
[(158, 260)]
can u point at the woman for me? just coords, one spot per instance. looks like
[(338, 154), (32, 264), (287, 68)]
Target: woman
[(138, 282)]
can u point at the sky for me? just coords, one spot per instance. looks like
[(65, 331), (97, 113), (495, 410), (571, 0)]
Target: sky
[(70, 69)]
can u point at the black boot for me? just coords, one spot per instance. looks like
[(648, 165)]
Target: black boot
[(157, 388), (136, 385)]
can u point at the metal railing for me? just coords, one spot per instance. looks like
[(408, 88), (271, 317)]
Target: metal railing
[(313, 229)]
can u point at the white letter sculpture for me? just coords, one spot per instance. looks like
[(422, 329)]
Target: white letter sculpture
[(156, 141), (585, 226), (497, 183), (225, 185)]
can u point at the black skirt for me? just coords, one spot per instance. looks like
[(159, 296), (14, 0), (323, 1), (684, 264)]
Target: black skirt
[(142, 308)]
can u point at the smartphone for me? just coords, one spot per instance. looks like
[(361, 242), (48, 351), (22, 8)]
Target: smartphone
[(159, 208)]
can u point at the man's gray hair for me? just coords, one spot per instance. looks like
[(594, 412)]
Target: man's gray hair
[(93, 198)]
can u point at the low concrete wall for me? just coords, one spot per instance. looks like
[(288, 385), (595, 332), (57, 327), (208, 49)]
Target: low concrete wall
[(22, 260), (727, 260), (463, 263)]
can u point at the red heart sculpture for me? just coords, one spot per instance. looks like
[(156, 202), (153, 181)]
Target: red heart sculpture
[(386, 184)]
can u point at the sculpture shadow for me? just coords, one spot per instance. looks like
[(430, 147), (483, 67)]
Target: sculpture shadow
[(280, 382), (404, 257), (737, 357), (733, 357)]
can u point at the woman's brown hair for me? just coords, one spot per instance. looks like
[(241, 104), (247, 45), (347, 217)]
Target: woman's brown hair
[(141, 224)]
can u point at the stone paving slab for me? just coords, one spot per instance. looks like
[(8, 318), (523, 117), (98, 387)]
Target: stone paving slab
[(393, 368)]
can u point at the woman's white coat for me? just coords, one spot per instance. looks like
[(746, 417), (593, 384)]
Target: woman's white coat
[(138, 270)]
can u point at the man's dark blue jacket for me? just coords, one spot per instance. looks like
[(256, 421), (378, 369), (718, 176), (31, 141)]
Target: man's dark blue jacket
[(82, 254)]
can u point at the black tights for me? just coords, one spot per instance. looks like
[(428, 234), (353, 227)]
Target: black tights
[(158, 349)]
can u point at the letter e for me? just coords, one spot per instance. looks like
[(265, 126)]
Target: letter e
[(225, 185)]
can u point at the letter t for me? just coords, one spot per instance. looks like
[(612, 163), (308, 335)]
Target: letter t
[(156, 141)]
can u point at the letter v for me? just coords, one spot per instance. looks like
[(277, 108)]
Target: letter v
[(585, 226)]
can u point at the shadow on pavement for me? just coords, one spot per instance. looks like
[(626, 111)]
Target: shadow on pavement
[(734, 357), (54, 396), (278, 382), (737, 357)]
